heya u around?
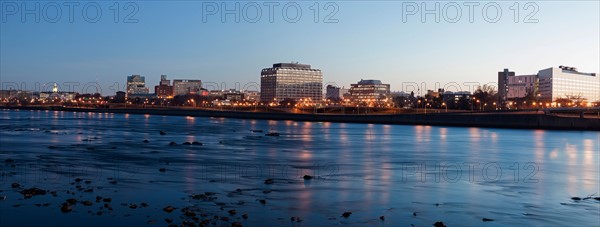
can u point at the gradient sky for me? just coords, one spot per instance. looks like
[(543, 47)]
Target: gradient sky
[(369, 41)]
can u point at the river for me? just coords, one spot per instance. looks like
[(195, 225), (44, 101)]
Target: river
[(410, 175)]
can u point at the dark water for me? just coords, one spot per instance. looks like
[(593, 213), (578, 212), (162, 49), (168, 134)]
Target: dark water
[(515, 177)]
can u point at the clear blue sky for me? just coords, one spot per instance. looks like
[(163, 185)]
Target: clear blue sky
[(369, 41)]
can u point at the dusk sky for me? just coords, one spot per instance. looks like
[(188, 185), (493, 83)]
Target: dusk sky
[(368, 41)]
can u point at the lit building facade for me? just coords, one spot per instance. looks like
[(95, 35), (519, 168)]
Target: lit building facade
[(448, 96), (291, 81), (164, 88), (56, 94), (136, 85), (369, 91), (511, 86), (550, 84), (184, 87), (565, 82)]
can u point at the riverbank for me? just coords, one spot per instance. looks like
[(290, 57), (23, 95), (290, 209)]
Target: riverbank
[(518, 120)]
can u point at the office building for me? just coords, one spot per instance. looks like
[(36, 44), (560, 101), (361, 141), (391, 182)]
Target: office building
[(184, 87), (252, 95), (291, 81), (503, 83), (164, 88), (332, 92), (136, 85), (511, 86), (448, 96), (369, 91), (567, 82), (550, 84)]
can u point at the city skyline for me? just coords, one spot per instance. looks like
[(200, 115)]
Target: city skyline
[(374, 44)]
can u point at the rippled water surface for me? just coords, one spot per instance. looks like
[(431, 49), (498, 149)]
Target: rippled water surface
[(411, 175)]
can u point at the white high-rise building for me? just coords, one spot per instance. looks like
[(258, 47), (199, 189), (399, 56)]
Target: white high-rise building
[(564, 82)]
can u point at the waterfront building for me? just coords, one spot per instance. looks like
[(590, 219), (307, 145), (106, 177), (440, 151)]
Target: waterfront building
[(503, 83), (550, 84), (120, 97), (20, 94), (184, 87), (291, 81), (435, 94), (164, 88), (252, 95), (511, 86), (565, 82), (56, 94), (8, 94), (332, 92), (231, 95), (456, 95), (369, 91), (136, 85)]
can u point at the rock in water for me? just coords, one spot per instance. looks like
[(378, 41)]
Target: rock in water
[(72, 201), (169, 209), (28, 193), (439, 224), (346, 214), (66, 209)]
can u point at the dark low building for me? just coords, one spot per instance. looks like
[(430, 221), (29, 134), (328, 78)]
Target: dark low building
[(332, 92)]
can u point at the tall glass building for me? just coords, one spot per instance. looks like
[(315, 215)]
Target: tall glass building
[(563, 82), (290, 81)]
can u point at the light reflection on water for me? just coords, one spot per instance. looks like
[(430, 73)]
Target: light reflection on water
[(371, 170)]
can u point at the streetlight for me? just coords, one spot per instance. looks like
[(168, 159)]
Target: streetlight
[(444, 104)]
